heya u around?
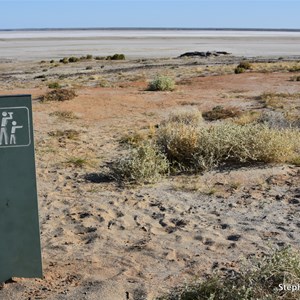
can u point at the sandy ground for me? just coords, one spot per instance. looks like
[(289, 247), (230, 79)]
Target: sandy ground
[(101, 241)]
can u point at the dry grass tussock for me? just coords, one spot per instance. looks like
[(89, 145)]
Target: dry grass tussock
[(59, 95), (258, 278), (277, 100), (187, 144), (144, 164)]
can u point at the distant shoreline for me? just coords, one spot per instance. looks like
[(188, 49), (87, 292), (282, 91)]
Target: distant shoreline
[(153, 29)]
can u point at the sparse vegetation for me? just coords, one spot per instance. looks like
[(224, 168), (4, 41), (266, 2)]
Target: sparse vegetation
[(64, 60), (54, 85), (161, 83), (59, 95), (144, 164), (194, 149), (276, 100), (295, 78), (245, 64), (64, 115), (70, 134), (259, 278), (219, 112), (77, 162), (274, 119), (116, 57), (186, 116), (239, 70), (73, 59), (242, 67)]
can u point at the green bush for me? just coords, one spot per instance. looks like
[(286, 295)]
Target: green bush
[(259, 278), (117, 57), (73, 59), (64, 60), (245, 64), (89, 56), (162, 83), (239, 70), (54, 85), (144, 164)]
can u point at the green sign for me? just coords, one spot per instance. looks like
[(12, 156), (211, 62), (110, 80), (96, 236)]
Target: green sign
[(20, 252)]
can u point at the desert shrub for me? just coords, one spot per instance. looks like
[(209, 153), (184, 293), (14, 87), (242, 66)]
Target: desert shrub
[(161, 83), (116, 57), (64, 60), (245, 64), (295, 78), (70, 134), (100, 58), (73, 59), (134, 138), (219, 112), (59, 95), (276, 100), (259, 278), (89, 68), (89, 56), (247, 117), (77, 162), (295, 68), (54, 85), (180, 143), (52, 61), (64, 115), (274, 119), (239, 70), (195, 149), (186, 116), (144, 164)]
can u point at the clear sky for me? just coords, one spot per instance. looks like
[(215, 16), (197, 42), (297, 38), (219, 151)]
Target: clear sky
[(150, 13)]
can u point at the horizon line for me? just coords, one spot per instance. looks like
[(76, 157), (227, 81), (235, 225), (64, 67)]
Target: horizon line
[(154, 28)]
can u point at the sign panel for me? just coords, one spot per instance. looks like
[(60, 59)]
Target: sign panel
[(20, 253)]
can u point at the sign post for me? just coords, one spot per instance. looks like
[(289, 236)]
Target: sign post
[(20, 252)]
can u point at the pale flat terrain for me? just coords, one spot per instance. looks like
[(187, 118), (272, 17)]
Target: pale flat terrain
[(26, 45), (103, 241)]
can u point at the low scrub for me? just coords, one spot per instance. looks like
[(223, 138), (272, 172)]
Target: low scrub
[(54, 85), (190, 148), (144, 164), (274, 119), (70, 134), (239, 70), (276, 100), (116, 57), (59, 95), (219, 113), (245, 64), (162, 83), (64, 115), (73, 59), (186, 116), (259, 278)]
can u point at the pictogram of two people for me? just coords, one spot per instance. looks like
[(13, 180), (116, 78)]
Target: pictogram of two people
[(11, 139)]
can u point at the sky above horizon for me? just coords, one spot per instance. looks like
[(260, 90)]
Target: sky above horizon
[(17, 14)]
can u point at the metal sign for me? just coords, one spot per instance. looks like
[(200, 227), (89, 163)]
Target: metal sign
[(20, 252)]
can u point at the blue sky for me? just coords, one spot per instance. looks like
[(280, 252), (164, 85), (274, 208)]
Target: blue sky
[(149, 13)]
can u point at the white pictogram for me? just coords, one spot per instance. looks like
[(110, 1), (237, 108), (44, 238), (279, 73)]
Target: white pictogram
[(12, 139), (6, 117)]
